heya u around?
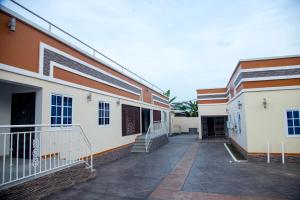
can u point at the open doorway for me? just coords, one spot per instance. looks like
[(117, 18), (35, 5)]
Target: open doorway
[(22, 113), (145, 120), (214, 126)]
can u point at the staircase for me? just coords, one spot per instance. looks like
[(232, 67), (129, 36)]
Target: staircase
[(139, 144)]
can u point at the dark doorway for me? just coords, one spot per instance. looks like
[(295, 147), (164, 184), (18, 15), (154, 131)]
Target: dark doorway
[(214, 126), (22, 113), (210, 126), (145, 120)]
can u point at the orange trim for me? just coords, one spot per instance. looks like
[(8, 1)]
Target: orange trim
[(75, 78), (212, 101), (211, 90), (270, 62), (50, 154), (160, 104), (270, 83), (274, 154), (21, 49), (109, 150)]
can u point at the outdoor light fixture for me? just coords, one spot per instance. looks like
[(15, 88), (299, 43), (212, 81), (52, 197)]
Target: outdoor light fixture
[(118, 102), (239, 105), (12, 24), (89, 97), (227, 110), (265, 103)]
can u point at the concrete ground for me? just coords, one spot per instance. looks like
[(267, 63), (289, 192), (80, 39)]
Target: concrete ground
[(187, 169)]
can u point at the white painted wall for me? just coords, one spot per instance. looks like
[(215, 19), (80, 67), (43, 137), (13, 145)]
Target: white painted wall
[(238, 137), (209, 110), (183, 124), (84, 112), (270, 124)]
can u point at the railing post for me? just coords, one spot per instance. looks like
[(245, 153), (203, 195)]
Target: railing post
[(282, 153), (268, 152)]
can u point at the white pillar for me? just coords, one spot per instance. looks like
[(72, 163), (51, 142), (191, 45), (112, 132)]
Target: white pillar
[(268, 152), (200, 128), (282, 152)]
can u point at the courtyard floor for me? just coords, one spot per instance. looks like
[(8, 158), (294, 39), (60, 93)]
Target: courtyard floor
[(188, 169)]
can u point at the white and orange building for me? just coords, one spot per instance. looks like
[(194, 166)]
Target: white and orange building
[(259, 109), (63, 101)]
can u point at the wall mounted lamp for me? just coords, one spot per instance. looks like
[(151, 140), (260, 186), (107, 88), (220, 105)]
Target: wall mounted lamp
[(89, 97), (12, 24), (118, 102), (265, 103), (239, 105)]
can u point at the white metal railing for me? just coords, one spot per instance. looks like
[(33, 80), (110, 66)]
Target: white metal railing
[(54, 29), (155, 129), (30, 150)]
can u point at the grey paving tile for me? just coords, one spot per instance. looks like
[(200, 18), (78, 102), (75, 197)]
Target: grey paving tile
[(212, 172)]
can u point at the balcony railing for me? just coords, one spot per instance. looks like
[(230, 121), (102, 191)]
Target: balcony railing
[(155, 129), (30, 150), (91, 51)]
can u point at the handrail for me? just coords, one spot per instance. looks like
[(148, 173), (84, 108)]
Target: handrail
[(50, 24), (153, 132), (44, 148)]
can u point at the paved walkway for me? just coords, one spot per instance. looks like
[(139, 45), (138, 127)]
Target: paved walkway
[(188, 169)]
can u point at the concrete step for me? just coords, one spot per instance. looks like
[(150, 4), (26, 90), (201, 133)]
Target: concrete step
[(138, 151)]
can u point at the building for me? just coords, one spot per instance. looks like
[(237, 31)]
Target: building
[(62, 102), (258, 109)]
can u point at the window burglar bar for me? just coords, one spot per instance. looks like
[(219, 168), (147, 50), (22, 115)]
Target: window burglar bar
[(30, 150)]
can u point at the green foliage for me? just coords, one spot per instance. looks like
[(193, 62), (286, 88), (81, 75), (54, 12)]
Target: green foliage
[(190, 108), (168, 94)]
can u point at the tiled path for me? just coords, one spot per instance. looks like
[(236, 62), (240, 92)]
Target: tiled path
[(188, 169)]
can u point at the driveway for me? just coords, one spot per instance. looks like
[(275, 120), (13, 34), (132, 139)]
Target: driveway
[(188, 169)]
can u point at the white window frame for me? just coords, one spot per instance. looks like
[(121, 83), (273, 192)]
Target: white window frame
[(62, 110), (109, 114), (286, 122)]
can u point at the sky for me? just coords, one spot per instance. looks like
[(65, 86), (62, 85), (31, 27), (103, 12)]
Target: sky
[(181, 45)]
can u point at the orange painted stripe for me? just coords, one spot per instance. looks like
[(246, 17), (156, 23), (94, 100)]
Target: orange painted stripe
[(274, 154), (212, 101), (270, 62), (75, 78), (271, 83), (160, 104), (212, 90)]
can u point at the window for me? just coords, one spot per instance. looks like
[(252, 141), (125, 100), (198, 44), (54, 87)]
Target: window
[(103, 114), (61, 109), (156, 116), (293, 122)]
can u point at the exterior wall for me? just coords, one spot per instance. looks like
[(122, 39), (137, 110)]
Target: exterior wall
[(5, 107), (209, 110), (29, 46), (185, 123), (84, 113), (239, 137), (270, 124)]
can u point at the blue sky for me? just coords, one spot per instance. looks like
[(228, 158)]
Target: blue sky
[(179, 45)]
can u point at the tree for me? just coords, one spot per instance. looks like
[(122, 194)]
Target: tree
[(168, 94), (189, 108)]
